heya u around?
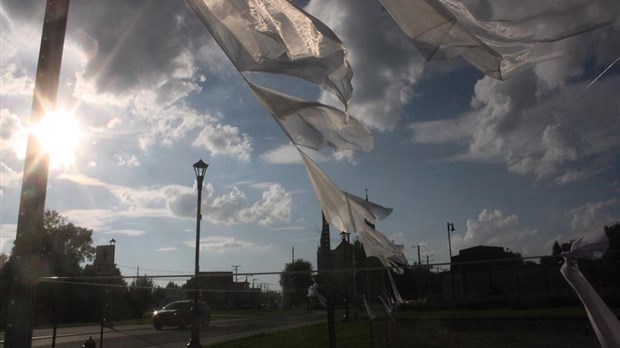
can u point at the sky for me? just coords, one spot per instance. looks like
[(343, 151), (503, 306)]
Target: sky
[(519, 163)]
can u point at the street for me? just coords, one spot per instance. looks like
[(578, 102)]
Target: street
[(146, 336)]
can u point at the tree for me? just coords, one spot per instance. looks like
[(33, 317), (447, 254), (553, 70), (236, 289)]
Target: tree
[(295, 280), (141, 295), (64, 248)]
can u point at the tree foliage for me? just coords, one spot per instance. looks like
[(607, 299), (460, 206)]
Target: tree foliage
[(295, 280)]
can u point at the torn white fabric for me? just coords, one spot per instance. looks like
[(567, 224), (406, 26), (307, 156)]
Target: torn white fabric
[(313, 124), (277, 37), (345, 211), (603, 321), (313, 291), (378, 245), (494, 36), (369, 311)]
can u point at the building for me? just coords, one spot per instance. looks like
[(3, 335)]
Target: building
[(221, 291), (488, 273)]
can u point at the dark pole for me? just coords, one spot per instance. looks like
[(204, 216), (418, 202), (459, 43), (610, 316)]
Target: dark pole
[(450, 230), (200, 168), (326, 265), (22, 288)]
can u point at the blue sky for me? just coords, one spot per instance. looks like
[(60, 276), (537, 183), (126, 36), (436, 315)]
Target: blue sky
[(511, 163)]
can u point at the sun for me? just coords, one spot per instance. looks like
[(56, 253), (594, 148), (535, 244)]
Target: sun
[(59, 134)]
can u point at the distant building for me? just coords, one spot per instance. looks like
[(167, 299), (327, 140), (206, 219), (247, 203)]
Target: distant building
[(221, 291), (489, 272)]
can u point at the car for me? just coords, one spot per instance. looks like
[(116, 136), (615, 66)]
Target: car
[(179, 314)]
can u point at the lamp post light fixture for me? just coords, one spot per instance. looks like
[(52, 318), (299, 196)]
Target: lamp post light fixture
[(200, 168)]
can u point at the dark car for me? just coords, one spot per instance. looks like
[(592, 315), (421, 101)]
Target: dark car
[(179, 313)]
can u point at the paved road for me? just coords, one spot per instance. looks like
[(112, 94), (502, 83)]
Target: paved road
[(139, 336)]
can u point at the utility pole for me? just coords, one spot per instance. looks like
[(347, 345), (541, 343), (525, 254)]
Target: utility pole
[(293, 255), (419, 260), (236, 267), (451, 230), (27, 249)]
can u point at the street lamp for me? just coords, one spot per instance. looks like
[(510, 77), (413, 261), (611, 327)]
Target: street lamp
[(200, 168)]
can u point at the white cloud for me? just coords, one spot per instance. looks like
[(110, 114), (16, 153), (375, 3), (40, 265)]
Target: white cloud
[(233, 208), (7, 236), (15, 81), (383, 83), (225, 140), (126, 232), (126, 159), (221, 244), (288, 154), (180, 201), (14, 134), (592, 216), (493, 228), (10, 178), (166, 249), (511, 122)]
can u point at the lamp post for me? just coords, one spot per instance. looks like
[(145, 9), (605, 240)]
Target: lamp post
[(200, 168)]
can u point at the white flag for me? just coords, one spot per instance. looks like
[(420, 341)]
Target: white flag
[(277, 37), (501, 42), (343, 210), (313, 124), (604, 322)]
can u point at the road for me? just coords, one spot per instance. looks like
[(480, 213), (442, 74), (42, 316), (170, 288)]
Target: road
[(146, 336)]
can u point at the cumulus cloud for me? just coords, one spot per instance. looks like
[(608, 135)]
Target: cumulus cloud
[(14, 134), (10, 178), (531, 122), (493, 228), (233, 208), (533, 133), (592, 216), (130, 82), (225, 140), (383, 83), (126, 159)]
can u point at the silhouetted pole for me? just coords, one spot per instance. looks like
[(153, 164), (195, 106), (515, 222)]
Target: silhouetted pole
[(450, 230), (27, 250), (326, 265), (200, 168)]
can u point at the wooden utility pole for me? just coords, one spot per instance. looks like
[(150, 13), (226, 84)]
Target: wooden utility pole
[(25, 274)]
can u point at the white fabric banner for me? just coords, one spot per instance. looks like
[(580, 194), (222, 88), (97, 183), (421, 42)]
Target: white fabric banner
[(603, 320), (313, 124), (345, 211), (275, 36), (491, 35), (378, 245)]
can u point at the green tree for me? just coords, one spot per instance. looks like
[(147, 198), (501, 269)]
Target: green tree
[(65, 245), (295, 280), (141, 295)]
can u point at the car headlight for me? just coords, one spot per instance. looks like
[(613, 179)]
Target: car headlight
[(154, 313)]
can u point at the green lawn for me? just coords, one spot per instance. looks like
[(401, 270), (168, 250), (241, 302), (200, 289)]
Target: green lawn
[(564, 327)]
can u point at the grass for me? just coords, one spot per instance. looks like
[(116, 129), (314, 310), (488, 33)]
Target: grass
[(562, 327)]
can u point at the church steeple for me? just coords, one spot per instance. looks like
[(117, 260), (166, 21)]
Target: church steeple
[(324, 254)]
